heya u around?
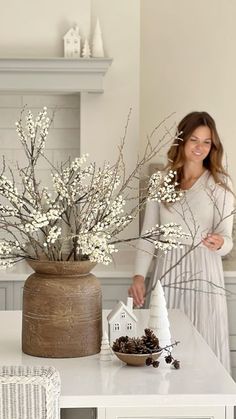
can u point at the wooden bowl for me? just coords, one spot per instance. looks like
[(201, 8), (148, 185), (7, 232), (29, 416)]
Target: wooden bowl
[(136, 359)]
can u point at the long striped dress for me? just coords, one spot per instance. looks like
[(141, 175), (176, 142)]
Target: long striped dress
[(196, 283)]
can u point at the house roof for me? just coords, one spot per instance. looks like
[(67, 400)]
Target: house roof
[(72, 32), (120, 306)]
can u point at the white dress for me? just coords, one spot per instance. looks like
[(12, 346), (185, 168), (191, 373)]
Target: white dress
[(196, 283)]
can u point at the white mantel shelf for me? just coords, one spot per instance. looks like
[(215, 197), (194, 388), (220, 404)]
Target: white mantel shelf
[(53, 75)]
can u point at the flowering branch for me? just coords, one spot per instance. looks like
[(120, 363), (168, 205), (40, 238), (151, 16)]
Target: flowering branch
[(86, 209)]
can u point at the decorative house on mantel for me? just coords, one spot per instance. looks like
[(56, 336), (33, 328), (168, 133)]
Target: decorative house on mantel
[(122, 321), (72, 41)]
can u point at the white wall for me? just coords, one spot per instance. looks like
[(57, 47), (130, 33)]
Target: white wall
[(189, 63), (30, 28), (104, 116)]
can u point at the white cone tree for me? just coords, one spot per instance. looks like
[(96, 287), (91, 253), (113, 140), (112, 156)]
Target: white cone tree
[(158, 317), (106, 352), (86, 52), (97, 43)]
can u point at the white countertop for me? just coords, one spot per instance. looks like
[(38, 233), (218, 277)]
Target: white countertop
[(88, 382)]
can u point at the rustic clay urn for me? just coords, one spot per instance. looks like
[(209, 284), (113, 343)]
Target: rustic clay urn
[(62, 310)]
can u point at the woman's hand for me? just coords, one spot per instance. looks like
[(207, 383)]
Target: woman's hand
[(213, 241), (137, 290)]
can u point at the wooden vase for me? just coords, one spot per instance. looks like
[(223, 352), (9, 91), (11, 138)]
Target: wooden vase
[(62, 310)]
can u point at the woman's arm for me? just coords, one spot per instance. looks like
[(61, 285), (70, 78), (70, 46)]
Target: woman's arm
[(144, 254), (145, 249)]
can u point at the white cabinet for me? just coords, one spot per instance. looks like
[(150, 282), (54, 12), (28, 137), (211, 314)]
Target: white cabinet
[(185, 412), (11, 295), (230, 284), (114, 290), (18, 295), (6, 295)]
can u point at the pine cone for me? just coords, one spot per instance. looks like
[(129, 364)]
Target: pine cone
[(147, 344), (123, 338), (116, 346), (150, 347), (140, 346), (149, 361), (123, 347), (130, 346), (155, 364), (150, 340), (119, 342), (168, 359), (176, 364)]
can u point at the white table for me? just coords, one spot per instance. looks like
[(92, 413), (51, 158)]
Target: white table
[(201, 388)]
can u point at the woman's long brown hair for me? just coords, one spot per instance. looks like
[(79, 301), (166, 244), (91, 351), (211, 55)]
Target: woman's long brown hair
[(213, 162)]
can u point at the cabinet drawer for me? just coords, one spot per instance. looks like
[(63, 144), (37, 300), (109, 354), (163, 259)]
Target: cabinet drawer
[(177, 412), (231, 303), (18, 295), (233, 358), (232, 342), (6, 295)]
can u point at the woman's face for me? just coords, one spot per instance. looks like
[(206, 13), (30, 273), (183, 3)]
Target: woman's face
[(198, 145)]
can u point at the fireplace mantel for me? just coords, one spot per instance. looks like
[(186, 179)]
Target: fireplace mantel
[(53, 75)]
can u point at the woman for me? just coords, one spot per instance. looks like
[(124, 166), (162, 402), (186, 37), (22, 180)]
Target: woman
[(192, 276)]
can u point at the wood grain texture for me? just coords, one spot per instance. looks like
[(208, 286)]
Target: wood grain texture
[(62, 310)]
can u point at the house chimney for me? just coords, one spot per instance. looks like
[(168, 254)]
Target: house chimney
[(130, 303)]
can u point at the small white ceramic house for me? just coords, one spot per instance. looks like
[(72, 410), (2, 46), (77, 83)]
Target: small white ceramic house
[(122, 321), (72, 42)]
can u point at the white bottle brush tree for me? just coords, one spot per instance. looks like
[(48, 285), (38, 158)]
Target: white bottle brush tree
[(158, 317), (97, 43), (86, 52), (106, 352)]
